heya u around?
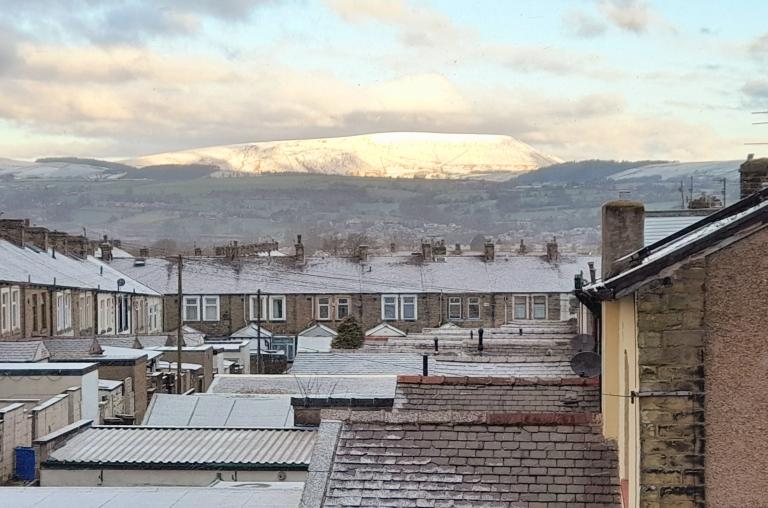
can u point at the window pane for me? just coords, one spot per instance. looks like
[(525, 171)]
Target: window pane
[(278, 308), (390, 307), (323, 308), (539, 307), (521, 307), (342, 308), (210, 308), (454, 308), (409, 307), (473, 308)]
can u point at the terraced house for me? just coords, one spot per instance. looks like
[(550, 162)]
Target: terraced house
[(51, 284), (412, 291)]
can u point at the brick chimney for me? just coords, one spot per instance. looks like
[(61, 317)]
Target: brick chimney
[(79, 246), (106, 249), (392, 247), (299, 254), (14, 231), (553, 254), (753, 175), (489, 250), (143, 252), (59, 241), (457, 249), (198, 251), (623, 233), (362, 253), (523, 249), (38, 236)]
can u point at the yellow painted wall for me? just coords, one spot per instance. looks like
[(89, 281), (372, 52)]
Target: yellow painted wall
[(620, 377)]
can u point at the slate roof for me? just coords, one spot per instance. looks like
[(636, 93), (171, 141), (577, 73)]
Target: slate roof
[(27, 351), (241, 495), (71, 348), (410, 363), (219, 410), (126, 342), (337, 385), (707, 235), (32, 265), (426, 459), (382, 274), (191, 447)]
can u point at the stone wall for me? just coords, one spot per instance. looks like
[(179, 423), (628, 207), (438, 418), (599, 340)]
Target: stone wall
[(498, 395), (15, 430), (670, 321), (135, 390), (50, 415), (300, 314)]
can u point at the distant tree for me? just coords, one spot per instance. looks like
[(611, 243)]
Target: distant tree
[(350, 334)]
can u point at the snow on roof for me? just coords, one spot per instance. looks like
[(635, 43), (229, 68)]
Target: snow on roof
[(381, 274), (318, 330), (33, 265), (384, 330), (108, 384), (219, 410), (251, 332), (351, 386), (172, 365), (25, 351)]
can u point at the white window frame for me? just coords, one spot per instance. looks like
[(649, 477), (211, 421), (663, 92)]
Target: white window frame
[(5, 308), (15, 309), (191, 302), (123, 307), (514, 306), (391, 303), (252, 303), (82, 312), (345, 302), (152, 315), (403, 299), (533, 307), (324, 306), (474, 301), (272, 314), (453, 302), (208, 301), (63, 311)]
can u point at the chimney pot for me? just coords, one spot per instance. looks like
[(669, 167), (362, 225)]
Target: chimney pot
[(144, 252), (489, 250), (299, 253), (623, 224)]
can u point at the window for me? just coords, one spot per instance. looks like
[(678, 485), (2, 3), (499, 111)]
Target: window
[(35, 327), (342, 308), (210, 308), (539, 307), (389, 307), (408, 307), (89, 310), (102, 317), (454, 307), (191, 308), (473, 307), (15, 309), (521, 307), (153, 316), (82, 312), (63, 311), (255, 315), (5, 309), (323, 308), (43, 312), (123, 313), (277, 308)]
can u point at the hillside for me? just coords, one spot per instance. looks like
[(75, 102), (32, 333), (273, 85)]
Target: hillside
[(398, 154)]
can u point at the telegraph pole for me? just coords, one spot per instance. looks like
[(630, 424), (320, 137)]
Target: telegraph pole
[(258, 331), (179, 333)]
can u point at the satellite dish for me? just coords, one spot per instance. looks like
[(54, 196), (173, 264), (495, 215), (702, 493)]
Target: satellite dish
[(586, 364), (120, 283)]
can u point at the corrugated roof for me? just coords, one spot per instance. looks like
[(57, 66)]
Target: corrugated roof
[(27, 351), (657, 228), (240, 495), (219, 410), (40, 267), (410, 363), (384, 274), (187, 446)]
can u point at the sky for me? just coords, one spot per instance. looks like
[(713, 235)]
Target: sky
[(577, 79)]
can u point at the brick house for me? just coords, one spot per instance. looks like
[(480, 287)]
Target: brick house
[(411, 292), (683, 351), (52, 285)]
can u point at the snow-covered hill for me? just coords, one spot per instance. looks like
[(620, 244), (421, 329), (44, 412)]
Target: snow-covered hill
[(396, 154)]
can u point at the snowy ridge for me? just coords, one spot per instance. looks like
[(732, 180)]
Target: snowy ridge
[(396, 154)]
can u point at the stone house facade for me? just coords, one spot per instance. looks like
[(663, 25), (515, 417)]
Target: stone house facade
[(683, 348)]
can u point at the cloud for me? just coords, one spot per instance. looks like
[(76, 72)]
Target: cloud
[(417, 26), (630, 15), (759, 47), (580, 24)]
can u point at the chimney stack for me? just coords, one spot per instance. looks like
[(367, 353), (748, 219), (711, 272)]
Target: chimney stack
[(457, 249), (623, 233), (523, 249), (38, 236), (489, 250), (198, 251), (592, 272), (553, 255), (14, 231), (426, 250), (144, 252), (299, 255), (392, 247), (362, 253), (106, 249), (753, 175)]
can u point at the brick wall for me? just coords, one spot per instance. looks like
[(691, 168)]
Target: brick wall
[(498, 395), (234, 313), (497, 460), (670, 321)]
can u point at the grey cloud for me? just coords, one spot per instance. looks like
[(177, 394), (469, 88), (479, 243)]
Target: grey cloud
[(759, 47), (756, 90), (629, 15), (580, 24)]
